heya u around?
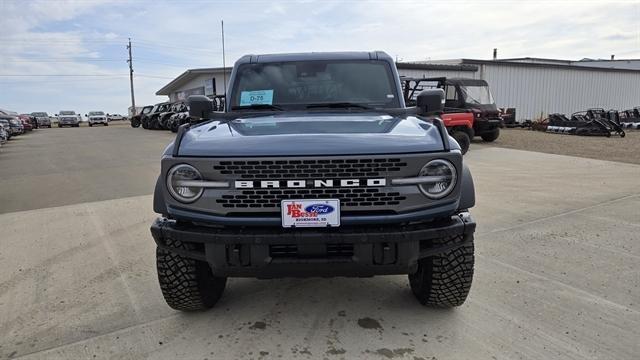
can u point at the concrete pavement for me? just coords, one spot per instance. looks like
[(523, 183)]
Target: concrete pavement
[(557, 277)]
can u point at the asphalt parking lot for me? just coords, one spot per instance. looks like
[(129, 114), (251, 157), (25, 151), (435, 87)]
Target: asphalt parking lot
[(557, 267)]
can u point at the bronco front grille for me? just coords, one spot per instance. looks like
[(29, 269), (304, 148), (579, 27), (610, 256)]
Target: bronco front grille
[(305, 169), (270, 198)]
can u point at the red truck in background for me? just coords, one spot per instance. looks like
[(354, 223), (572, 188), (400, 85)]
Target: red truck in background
[(469, 108), (460, 127)]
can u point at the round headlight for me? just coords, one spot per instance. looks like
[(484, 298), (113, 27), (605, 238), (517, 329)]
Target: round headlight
[(446, 174), (181, 173)]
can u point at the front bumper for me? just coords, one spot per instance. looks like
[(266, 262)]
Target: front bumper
[(483, 125), (270, 252)]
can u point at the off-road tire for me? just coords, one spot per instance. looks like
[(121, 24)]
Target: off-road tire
[(463, 140), (90, 125), (187, 284), (444, 280), (135, 123), (491, 135)]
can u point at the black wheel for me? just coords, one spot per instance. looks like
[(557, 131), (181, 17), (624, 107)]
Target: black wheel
[(174, 126), (187, 284), (106, 124), (59, 125), (444, 280), (145, 123), (90, 124), (135, 123), (463, 140), (490, 136)]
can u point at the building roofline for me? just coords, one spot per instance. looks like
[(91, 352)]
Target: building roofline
[(184, 77), (546, 65), (424, 66)]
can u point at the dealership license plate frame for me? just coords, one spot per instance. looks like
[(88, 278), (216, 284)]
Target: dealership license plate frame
[(331, 219)]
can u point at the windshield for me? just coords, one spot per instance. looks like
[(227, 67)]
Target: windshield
[(67, 112), (477, 95), (91, 113), (297, 84), (39, 114)]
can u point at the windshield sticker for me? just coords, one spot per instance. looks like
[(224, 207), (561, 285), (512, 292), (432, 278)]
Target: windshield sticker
[(390, 96), (256, 97)]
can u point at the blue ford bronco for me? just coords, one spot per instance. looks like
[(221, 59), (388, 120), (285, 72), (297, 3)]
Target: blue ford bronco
[(315, 168)]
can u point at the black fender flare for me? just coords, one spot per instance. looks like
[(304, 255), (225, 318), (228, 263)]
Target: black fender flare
[(159, 205), (467, 190)]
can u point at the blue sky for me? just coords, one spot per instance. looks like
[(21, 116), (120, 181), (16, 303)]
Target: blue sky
[(82, 42)]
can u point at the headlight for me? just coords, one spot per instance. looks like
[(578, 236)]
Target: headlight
[(179, 173), (447, 174)]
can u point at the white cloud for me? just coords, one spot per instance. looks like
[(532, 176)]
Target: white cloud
[(170, 36)]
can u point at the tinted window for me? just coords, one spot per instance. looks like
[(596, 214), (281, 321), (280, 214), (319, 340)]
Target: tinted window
[(296, 84)]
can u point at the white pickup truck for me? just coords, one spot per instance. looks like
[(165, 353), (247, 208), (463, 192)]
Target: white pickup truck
[(97, 117)]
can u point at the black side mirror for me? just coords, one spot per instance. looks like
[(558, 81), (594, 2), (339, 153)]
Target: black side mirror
[(430, 102), (200, 106)]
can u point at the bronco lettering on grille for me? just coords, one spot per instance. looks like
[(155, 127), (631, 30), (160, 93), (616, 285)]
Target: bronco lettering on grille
[(266, 184)]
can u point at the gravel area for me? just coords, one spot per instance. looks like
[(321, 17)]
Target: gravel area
[(625, 149)]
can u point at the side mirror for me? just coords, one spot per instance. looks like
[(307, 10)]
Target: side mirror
[(430, 102), (200, 106)]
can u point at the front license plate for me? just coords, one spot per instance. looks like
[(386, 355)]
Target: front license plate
[(310, 213)]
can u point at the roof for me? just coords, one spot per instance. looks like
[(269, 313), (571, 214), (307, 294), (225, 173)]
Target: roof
[(185, 77), (311, 56), (430, 66), (545, 65)]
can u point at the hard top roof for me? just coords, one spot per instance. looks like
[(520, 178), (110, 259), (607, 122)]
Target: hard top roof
[(345, 55)]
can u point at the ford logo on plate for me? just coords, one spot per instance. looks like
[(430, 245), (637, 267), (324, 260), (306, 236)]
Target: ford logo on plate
[(319, 208)]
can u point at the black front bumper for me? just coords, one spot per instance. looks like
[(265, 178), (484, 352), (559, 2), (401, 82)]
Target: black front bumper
[(271, 252), (484, 125)]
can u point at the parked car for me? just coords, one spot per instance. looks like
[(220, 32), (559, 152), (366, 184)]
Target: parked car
[(68, 118), (136, 120), (15, 125), (5, 132), (180, 117), (115, 117), (42, 119), (27, 123), (152, 120), (97, 117), (31, 119)]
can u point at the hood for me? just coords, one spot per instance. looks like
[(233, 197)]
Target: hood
[(312, 134)]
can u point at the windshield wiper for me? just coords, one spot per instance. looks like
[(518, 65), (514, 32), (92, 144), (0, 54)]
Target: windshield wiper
[(339, 105), (257, 107)]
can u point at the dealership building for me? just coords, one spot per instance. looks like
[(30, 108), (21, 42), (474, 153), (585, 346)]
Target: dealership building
[(534, 87)]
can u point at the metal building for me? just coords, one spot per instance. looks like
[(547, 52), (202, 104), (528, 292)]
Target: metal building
[(538, 87)]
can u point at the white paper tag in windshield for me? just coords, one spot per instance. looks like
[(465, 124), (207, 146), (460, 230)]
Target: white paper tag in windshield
[(256, 97)]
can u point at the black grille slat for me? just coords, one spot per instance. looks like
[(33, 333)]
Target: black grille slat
[(353, 196), (306, 169)]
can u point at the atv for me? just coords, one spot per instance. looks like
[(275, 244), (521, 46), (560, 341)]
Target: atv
[(462, 96)]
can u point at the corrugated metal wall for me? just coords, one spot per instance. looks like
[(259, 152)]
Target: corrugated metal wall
[(538, 90)]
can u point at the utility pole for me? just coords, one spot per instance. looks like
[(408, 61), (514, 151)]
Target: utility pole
[(224, 65), (133, 98)]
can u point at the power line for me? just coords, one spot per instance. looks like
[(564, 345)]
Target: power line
[(53, 60), (62, 75)]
